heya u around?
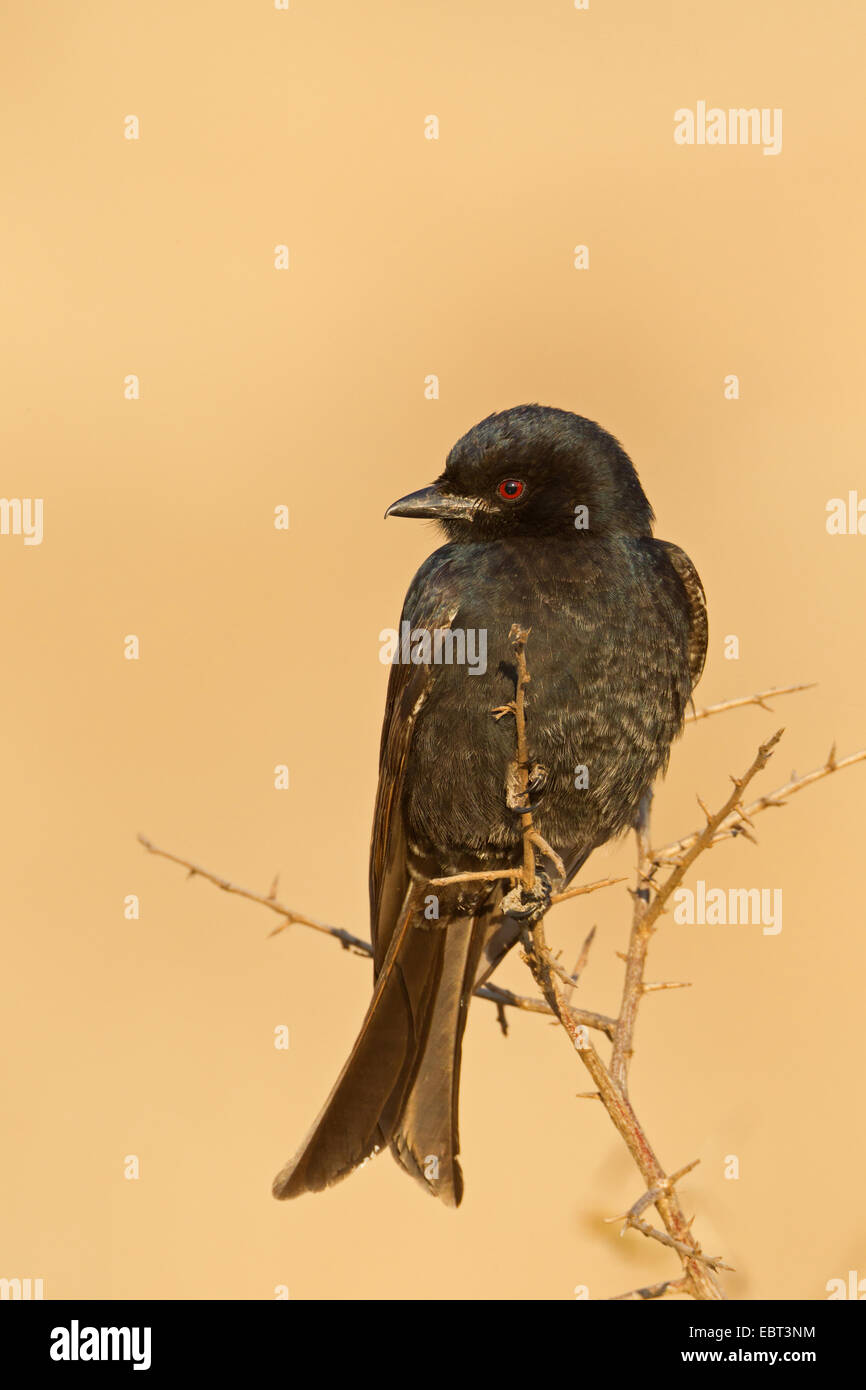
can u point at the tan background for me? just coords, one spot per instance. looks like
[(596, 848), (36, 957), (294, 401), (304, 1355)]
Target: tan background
[(409, 257)]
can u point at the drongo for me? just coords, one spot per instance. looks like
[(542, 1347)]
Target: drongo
[(547, 527)]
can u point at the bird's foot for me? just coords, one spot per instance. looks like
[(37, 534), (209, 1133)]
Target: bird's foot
[(529, 904), (517, 795)]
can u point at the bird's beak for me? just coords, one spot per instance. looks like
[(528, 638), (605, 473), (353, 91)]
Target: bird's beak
[(437, 506)]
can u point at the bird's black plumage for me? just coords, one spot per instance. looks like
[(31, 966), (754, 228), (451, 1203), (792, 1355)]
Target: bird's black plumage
[(548, 528)]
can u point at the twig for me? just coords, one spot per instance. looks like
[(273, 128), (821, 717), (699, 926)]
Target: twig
[(706, 837), (672, 853), (585, 1018), (292, 917), (519, 637), (498, 996), (579, 965), (760, 699), (653, 986), (637, 949), (648, 909), (583, 889), (699, 1280), (713, 1262), (667, 1288), (647, 1198), (556, 984)]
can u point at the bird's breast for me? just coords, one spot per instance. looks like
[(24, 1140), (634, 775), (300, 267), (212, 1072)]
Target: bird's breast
[(601, 704)]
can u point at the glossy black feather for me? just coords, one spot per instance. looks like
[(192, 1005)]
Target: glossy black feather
[(618, 639)]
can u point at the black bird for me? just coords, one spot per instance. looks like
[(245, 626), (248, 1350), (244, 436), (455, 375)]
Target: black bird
[(548, 527)]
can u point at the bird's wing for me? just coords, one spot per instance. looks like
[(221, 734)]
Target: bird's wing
[(401, 1080), (408, 688), (697, 602)]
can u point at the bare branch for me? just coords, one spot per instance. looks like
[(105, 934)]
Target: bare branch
[(760, 699), (706, 837), (557, 984), (637, 951), (713, 1262), (583, 889), (699, 1279), (347, 940), (498, 996), (579, 965), (672, 853), (586, 1018)]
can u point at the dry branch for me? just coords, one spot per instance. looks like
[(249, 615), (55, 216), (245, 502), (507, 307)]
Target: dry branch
[(760, 699), (270, 900), (698, 1279), (740, 821), (495, 993)]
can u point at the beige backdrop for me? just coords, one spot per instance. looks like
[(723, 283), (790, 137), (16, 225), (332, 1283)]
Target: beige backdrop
[(408, 257)]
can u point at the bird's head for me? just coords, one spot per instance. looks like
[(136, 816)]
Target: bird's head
[(534, 471)]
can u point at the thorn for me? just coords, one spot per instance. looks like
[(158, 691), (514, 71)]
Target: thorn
[(681, 1172), (273, 893), (831, 759)]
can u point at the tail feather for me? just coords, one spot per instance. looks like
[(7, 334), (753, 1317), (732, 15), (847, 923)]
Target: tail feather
[(400, 1084), (426, 1141), (354, 1121)]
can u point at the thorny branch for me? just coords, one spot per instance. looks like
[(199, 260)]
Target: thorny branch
[(740, 821), (698, 1279), (760, 699), (358, 946)]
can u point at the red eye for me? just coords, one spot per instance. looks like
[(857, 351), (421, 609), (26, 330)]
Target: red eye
[(511, 489)]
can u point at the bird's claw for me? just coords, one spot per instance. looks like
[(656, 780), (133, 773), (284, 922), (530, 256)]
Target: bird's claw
[(515, 792), (529, 904)]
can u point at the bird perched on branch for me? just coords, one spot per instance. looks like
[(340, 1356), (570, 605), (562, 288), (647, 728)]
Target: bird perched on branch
[(548, 528)]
